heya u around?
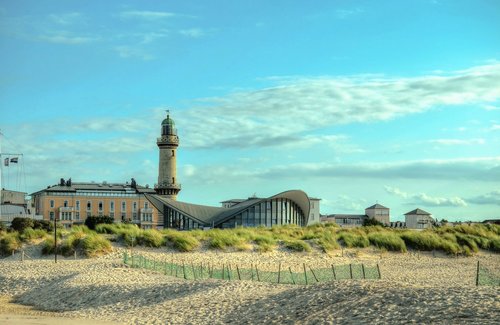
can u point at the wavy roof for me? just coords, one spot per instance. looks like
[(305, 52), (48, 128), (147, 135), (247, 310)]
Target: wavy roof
[(209, 215)]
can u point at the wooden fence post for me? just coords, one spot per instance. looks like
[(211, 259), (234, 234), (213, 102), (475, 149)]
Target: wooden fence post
[(363, 269), (333, 270), (257, 270), (477, 274), (238, 270), (314, 275), (194, 273), (279, 273), (350, 270), (251, 268), (378, 270), (305, 272), (291, 274), (184, 270)]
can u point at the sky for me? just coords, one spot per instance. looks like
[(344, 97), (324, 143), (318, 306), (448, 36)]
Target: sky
[(353, 102)]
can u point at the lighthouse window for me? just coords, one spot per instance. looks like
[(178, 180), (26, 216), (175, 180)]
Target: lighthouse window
[(173, 153)]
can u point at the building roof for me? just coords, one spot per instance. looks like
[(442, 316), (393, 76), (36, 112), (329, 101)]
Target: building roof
[(101, 187), (168, 121), (12, 209), (377, 206), (346, 216), (209, 215), (418, 212), (234, 201)]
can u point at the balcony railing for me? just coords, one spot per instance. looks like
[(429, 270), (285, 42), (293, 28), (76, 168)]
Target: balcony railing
[(168, 139), (168, 185)]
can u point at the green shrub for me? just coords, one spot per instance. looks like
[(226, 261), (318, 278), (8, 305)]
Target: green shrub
[(43, 224), (353, 239), (328, 242), (265, 243), (9, 242), (30, 234), (372, 222), (183, 242), (387, 240), (19, 224), (93, 221), (297, 245), (48, 246), (495, 245), (94, 245), (151, 238), (221, 239)]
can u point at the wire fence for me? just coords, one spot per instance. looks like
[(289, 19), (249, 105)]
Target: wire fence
[(486, 276), (282, 274)]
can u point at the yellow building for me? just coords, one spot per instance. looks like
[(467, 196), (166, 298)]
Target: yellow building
[(72, 203)]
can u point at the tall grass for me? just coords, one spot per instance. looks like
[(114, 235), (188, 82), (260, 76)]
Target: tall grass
[(387, 240), (297, 245), (265, 243), (9, 242), (353, 238), (95, 245), (184, 242), (30, 234), (151, 238), (428, 241)]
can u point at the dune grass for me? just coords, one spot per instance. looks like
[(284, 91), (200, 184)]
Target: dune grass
[(95, 245), (353, 238), (9, 242), (387, 240), (184, 242), (30, 234), (297, 245)]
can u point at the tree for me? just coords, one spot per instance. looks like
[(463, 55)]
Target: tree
[(92, 221), (372, 222), (43, 224), (19, 224)]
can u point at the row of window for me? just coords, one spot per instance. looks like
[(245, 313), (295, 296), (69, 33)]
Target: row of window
[(68, 216), (101, 205), (103, 193)]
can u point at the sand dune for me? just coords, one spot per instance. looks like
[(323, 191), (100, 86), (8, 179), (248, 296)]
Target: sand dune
[(415, 288)]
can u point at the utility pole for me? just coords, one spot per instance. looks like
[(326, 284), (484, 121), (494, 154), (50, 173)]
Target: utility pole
[(55, 239)]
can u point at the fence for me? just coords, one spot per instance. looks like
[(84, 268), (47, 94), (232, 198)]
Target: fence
[(282, 274), (485, 276)]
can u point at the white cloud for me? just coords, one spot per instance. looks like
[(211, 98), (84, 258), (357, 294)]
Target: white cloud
[(299, 106), (494, 127), (146, 15), (425, 199), (192, 32), (491, 198), (491, 108), (68, 18), (346, 13), (127, 52), (66, 38), (458, 142)]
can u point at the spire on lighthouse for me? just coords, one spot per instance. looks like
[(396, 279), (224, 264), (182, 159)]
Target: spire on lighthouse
[(167, 171)]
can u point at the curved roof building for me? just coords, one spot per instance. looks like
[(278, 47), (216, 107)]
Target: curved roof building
[(290, 207)]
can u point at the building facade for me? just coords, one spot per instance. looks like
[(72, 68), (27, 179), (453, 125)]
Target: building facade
[(418, 219), (71, 203), (314, 215), (377, 212), (290, 207)]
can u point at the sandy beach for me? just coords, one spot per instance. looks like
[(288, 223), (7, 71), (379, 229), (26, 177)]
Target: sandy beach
[(415, 288)]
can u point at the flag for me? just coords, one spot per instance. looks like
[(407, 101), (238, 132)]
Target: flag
[(6, 162), (14, 160)]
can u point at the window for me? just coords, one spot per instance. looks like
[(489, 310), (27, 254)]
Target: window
[(112, 215), (145, 205), (89, 205), (173, 153), (100, 206), (124, 206), (112, 206), (173, 180), (51, 215), (65, 203), (77, 215), (134, 208), (78, 205), (51, 203)]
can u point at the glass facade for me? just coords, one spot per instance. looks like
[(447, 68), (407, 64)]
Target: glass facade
[(267, 213)]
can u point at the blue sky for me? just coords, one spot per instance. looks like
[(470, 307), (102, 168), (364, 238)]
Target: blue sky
[(354, 102)]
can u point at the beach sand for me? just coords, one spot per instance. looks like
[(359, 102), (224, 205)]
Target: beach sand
[(415, 288)]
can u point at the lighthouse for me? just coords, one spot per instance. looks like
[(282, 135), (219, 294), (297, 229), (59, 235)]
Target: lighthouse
[(167, 172)]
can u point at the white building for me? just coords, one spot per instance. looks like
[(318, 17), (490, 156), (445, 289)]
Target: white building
[(379, 213), (314, 216), (418, 219)]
